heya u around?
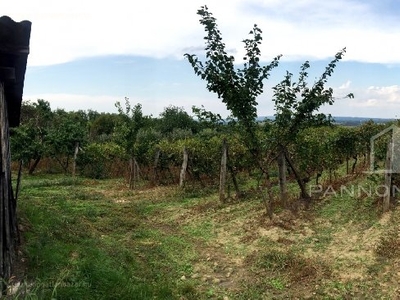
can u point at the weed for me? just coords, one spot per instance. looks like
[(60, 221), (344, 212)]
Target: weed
[(210, 293), (277, 283), (389, 245), (188, 290), (293, 265), (275, 260)]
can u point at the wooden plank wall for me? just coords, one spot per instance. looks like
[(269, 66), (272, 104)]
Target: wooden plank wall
[(8, 217)]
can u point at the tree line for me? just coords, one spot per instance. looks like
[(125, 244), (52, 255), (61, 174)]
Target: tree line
[(53, 134), (108, 140)]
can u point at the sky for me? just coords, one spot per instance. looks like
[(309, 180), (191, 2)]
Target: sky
[(91, 54)]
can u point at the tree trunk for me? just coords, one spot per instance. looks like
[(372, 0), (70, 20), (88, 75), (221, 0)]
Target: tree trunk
[(235, 183), (64, 166), (32, 168), (222, 175), (353, 167), (182, 176), (304, 195), (268, 201), (319, 174), (282, 179)]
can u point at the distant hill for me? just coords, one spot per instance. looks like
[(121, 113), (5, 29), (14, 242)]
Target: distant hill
[(348, 121), (359, 120)]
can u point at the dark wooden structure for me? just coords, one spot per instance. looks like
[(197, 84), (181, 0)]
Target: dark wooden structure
[(14, 50)]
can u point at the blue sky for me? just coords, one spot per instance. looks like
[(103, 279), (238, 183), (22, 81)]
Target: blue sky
[(88, 55)]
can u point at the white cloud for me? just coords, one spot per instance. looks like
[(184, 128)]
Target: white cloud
[(74, 102), (374, 101), (66, 30), (345, 85), (389, 95)]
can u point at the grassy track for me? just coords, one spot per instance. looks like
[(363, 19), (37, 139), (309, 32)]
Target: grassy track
[(88, 239)]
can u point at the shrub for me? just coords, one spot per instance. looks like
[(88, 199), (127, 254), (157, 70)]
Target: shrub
[(100, 160)]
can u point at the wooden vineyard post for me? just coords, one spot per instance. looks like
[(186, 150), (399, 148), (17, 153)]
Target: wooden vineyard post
[(182, 176), (282, 178), (133, 172), (222, 176), (76, 151), (155, 165)]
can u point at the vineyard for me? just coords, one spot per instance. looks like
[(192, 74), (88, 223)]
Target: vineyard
[(151, 152), (87, 238)]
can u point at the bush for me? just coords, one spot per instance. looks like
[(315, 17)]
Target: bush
[(100, 160)]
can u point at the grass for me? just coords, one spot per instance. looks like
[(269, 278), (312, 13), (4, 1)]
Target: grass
[(95, 239), (80, 244)]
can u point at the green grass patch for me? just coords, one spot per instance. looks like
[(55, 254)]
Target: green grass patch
[(80, 244), (203, 230)]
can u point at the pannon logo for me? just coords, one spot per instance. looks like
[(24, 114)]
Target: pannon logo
[(354, 191)]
